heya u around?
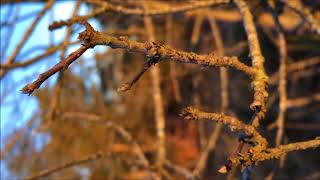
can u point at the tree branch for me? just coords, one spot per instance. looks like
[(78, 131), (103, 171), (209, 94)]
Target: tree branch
[(251, 158), (157, 99), (91, 38), (260, 78), (50, 171), (232, 122), (62, 65), (304, 13)]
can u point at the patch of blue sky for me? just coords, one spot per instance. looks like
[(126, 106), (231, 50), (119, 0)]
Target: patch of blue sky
[(15, 115), (39, 37), (21, 27)]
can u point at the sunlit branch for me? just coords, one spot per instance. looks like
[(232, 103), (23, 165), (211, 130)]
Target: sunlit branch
[(304, 13), (107, 6), (62, 65), (250, 158), (91, 38), (157, 99), (260, 79), (232, 122)]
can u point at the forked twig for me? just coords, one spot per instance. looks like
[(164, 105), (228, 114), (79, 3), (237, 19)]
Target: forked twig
[(154, 51)]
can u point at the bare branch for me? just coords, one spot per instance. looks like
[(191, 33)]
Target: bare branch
[(157, 99), (250, 158), (296, 66), (49, 51), (260, 79), (119, 129), (28, 33), (302, 101), (152, 50), (89, 158), (232, 122), (62, 65), (106, 6), (201, 164), (304, 13), (180, 170)]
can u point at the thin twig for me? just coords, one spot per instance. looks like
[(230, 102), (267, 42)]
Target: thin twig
[(119, 129), (296, 67), (302, 101), (173, 69), (180, 170), (250, 158), (282, 82), (157, 98), (55, 99), (197, 29), (62, 65), (152, 50), (77, 19), (201, 164), (28, 33), (260, 79), (304, 13), (127, 86), (107, 6), (162, 10), (47, 172), (282, 78), (10, 30), (16, 137), (232, 122)]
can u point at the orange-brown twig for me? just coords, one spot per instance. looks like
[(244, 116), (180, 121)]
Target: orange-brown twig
[(260, 78), (91, 38), (157, 99), (62, 65), (304, 13)]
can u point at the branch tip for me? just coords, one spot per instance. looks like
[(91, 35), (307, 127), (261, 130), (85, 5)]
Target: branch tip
[(223, 170), (28, 89), (124, 87)]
